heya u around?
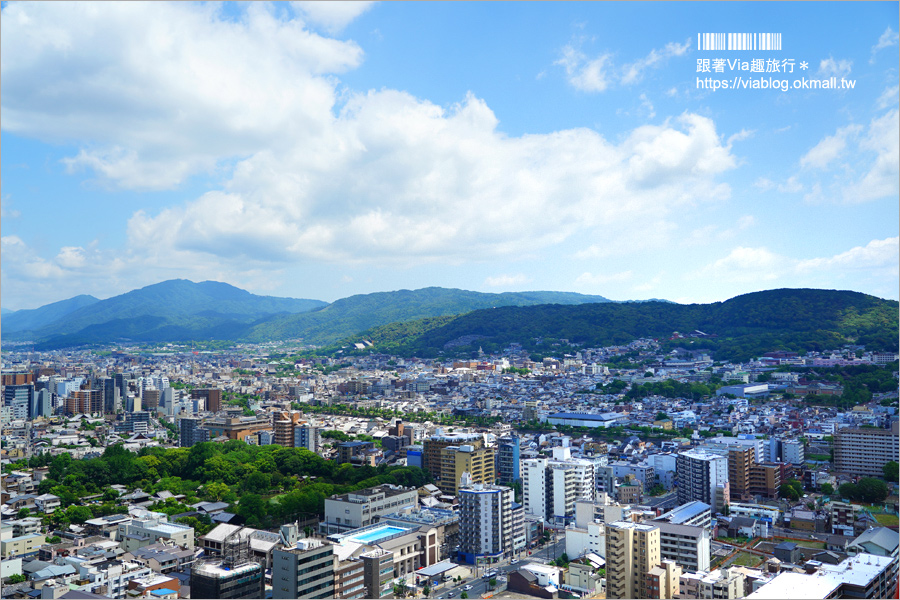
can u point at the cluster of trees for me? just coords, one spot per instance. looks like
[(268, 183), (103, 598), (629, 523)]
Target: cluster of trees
[(792, 490), (867, 489), (387, 413), (250, 477), (671, 388)]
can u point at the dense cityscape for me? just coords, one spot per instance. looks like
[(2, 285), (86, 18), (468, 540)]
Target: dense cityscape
[(164, 471)]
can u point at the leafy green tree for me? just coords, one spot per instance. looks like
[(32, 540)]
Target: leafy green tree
[(253, 509), (215, 490), (827, 488), (871, 489), (890, 470), (464, 595), (23, 512), (79, 514), (17, 578), (426, 591), (492, 582), (788, 491)]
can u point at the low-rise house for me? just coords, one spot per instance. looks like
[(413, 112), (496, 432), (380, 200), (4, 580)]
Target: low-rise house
[(47, 503), (879, 541)]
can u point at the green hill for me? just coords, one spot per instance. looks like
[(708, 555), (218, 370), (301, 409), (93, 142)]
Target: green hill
[(350, 315), (167, 311), (35, 318), (748, 325)]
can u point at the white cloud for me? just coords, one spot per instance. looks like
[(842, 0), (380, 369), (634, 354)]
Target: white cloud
[(156, 92), (588, 279), (163, 91), (830, 148), (886, 40), (506, 280), (829, 67), (881, 177), (888, 97), (597, 74), (764, 183), (585, 75), (875, 254), (333, 15), (634, 72), (740, 136), (745, 265)]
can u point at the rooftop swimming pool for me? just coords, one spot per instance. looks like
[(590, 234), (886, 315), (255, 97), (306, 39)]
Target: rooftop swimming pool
[(374, 535)]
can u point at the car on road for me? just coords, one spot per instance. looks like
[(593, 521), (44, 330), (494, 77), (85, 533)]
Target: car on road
[(467, 588), (514, 561)]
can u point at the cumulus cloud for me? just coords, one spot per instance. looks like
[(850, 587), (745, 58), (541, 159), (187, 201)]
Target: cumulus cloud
[(334, 15), (829, 67), (156, 92), (875, 254), (878, 259), (164, 91), (888, 97)]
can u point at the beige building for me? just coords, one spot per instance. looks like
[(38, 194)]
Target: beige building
[(456, 460), (19, 546), (663, 580), (724, 584), (864, 451), (632, 550)]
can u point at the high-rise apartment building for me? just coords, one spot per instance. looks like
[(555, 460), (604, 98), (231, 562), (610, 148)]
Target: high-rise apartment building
[(552, 486), (864, 451), (456, 460), (378, 571), (306, 436), (687, 545), (632, 550), (702, 476), (485, 521), (85, 401), (508, 460), (432, 447)]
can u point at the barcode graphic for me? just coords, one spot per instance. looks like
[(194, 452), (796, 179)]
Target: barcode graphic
[(739, 41)]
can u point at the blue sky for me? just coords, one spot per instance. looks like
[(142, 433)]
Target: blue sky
[(325, 150)]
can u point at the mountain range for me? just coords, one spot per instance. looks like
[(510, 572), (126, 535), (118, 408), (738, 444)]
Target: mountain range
[(439, 321), (181, 310)]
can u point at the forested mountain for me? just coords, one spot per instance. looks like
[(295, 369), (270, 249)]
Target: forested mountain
[(350, 315), (35, 318), (170, 310), (788, 319)]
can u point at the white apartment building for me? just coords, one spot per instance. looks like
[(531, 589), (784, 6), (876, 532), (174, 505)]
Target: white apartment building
[(552, 486), (700, 475)]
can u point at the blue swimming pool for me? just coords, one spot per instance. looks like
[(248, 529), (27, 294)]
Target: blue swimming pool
[(370, 537)]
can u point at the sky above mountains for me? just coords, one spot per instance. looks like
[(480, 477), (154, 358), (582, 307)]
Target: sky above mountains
[(320, 150)]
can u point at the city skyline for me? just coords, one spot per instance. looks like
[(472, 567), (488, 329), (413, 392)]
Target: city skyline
[(325, 150)]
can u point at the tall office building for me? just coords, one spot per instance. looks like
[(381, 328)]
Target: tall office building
[(632, 550), (109, 392), (190, 432), (485, 521), (702, 476), (864, 451), (42, 404), (508, 461), (213, 397), (304, 571), (20, 398)]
